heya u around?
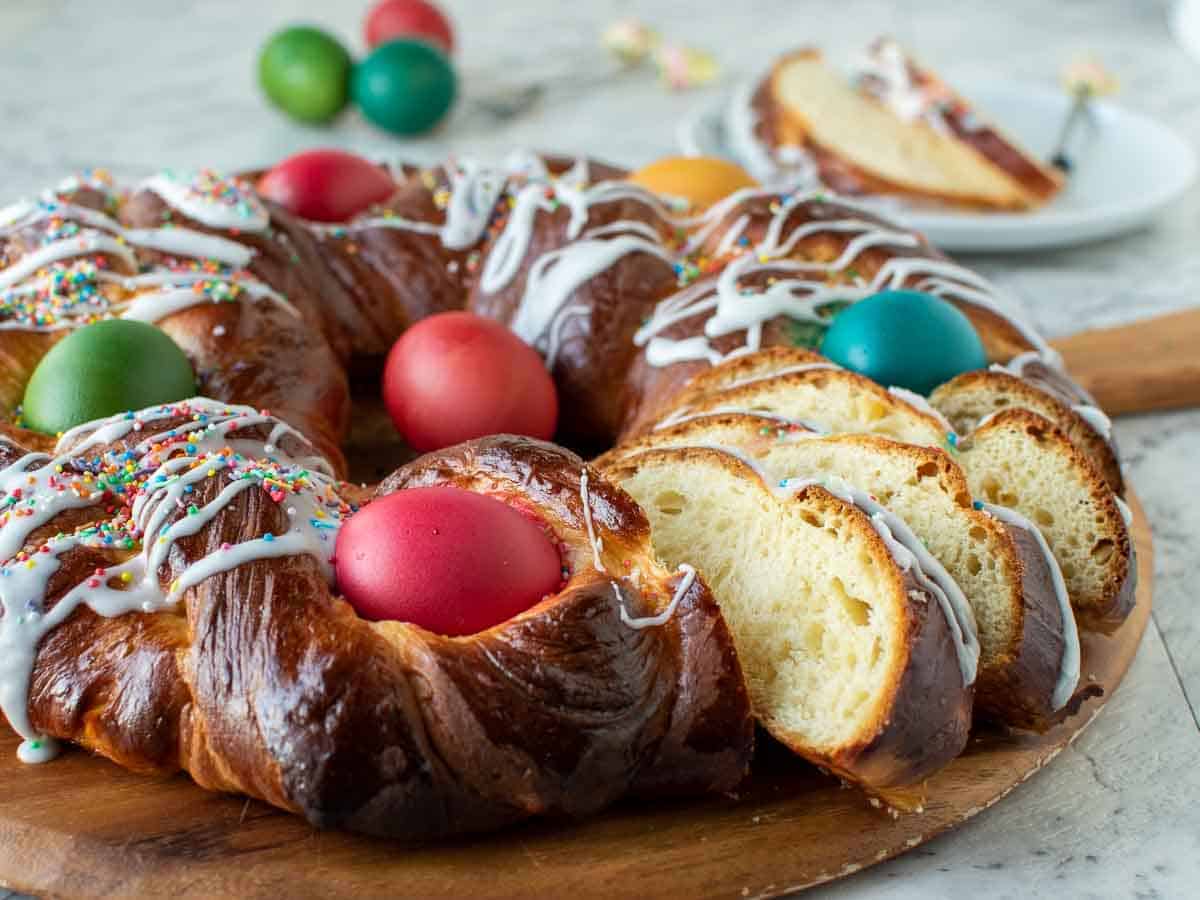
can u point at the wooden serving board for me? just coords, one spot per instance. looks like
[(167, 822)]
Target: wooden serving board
[(83, 827), (1148, 365)]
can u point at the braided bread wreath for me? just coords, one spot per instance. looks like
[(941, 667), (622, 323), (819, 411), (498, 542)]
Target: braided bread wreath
[(167, 588)]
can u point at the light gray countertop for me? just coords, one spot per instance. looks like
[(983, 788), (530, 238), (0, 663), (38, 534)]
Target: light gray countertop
[(143, 85)]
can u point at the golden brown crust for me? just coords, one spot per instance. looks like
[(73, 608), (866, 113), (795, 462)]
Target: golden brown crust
[(908, 738), (1019, 692), (756, 396), (266, 684), (1112, 602), (1031, 184), (1041, 182), (1001, 390), (596, 348), (1017, 676)]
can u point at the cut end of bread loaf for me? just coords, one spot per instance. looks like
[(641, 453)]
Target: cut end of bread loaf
[(834, 648), (973, 396), (1020, 460), (1020, 625), (824, 399)]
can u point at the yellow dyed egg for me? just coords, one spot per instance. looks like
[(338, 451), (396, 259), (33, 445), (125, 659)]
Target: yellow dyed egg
[(702, 180)]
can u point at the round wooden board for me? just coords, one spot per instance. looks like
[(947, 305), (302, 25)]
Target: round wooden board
[(83, 827)]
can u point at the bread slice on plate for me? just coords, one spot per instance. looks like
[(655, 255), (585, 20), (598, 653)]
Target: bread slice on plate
[(1021, 460), (842, 632), (897, 129), (972, 396), (1029, 663)]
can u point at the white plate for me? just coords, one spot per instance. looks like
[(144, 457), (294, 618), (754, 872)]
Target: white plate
[(1127, 168)]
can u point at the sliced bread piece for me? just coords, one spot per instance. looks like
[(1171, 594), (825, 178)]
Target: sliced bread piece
[(842, 645), (1029, 664), (862, 145), (832, 400), (892, 76), (749, 367), (972, 396), (1019, 459)]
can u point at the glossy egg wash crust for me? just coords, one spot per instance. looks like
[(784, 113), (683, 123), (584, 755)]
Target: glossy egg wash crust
[(184, 551)]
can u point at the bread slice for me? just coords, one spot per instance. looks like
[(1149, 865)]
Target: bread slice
[(972, 396), (1029, 664), (824, 399), (893, 77), (750, 367), (861, 143), (1019, 459), (842, 646)]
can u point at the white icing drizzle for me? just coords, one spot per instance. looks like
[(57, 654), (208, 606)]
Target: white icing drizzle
[(1017, 365), (160, 480), (237, 210), (509, 249), (570, 189), (85, 243), (1068, 672), (905, 547), (72, 294), (593, 538), (623, 226), (398, 223), (732, 235), (474, 191), (154, 306), (555, 276), (1092, 415), (733, 308), (170, 239), (912, 557), (1096, 419), (921, 404), (685, 584), (1126, 512), (779, 373), (809, 428), (554, 339), (890, 82), (186, 242)]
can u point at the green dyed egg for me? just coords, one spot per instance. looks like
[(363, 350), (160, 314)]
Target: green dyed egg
[(103, 369), (904, 339), (404, 86), (306, 73)]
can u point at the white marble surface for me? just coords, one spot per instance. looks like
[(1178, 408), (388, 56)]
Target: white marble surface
[(143, 84)]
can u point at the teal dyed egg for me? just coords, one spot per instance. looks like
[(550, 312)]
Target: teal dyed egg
[(904, 339), (103, 369), (404, 86), (305, 72)]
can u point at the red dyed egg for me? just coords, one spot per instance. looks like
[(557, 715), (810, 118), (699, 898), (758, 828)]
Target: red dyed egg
[(392, 19), (326, 185), (449, 560), (457, 376)]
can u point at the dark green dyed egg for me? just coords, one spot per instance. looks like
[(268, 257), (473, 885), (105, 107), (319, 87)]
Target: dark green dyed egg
[(103, 369), (404, 86), (904, 339), (305, 72)]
